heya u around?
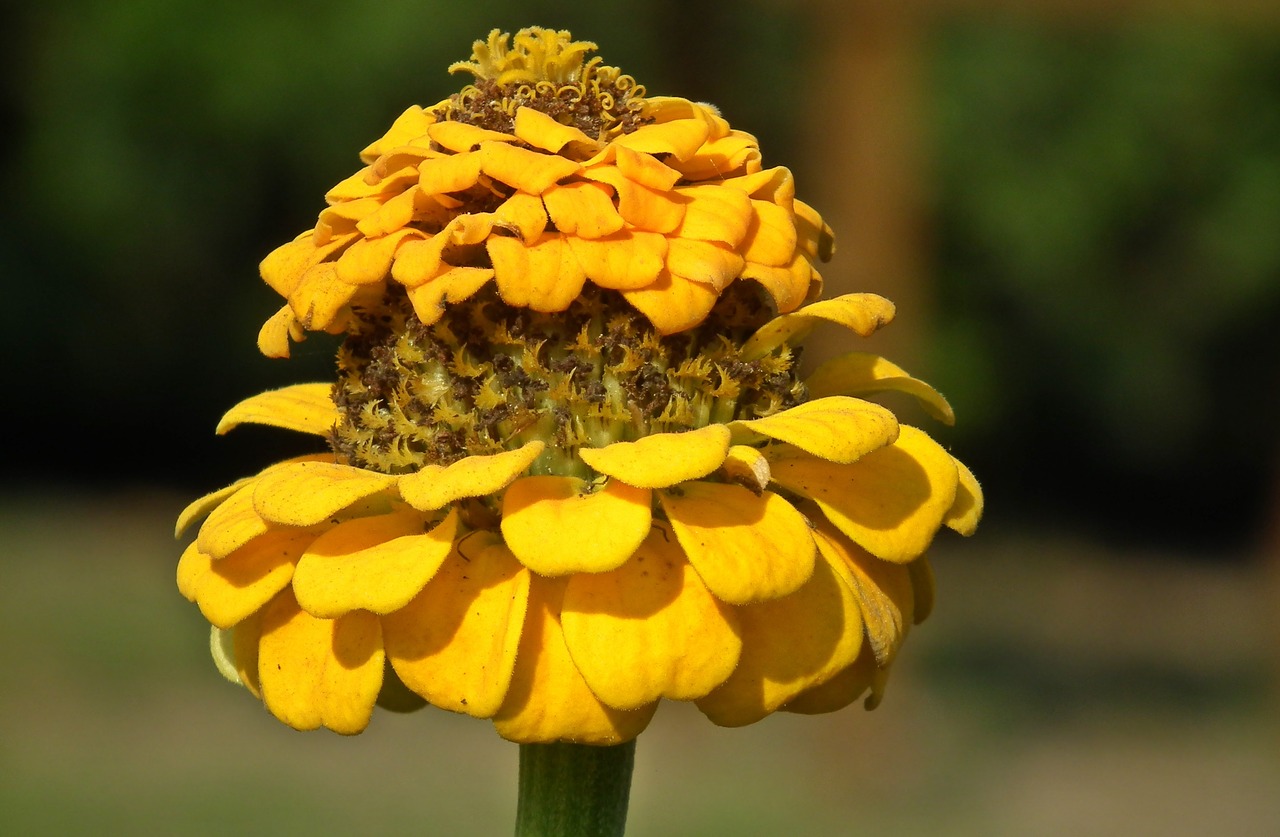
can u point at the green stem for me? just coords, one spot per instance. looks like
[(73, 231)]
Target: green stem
[(574, 790)]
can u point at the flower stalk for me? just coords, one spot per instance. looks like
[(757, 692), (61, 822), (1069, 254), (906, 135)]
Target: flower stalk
[(574, 790)]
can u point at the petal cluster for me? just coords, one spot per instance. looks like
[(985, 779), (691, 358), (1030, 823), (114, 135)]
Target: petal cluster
[(667, 206), (750, 566)]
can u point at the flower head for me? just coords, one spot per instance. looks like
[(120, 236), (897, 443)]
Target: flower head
[(573, 468)]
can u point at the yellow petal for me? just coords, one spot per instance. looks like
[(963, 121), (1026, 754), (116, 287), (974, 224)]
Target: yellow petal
[(662, 459), (649, 629), (520, 168), (523, 214), (231, 525), (673, 303), (394, 213), (545, 276), (747, 547), (409, 125), (723, 157), (643, 207), (747, 467), (883, 590), (542, 130), (771, 236), (860, 313), (319, 672), (890, 502), (454, 284), (582, 209), (628, 259), (273, 338), (307, 493), (703, 261), (435, 486), (192, 567), (461, 136), (454, 173), (850, 683), (284, 266), (813, 236), (555, 527), (645, 169), (306, 408), (373, 563), (455, 643), (201, 507), (789, 285), (369, 260), (548, 700), (789, 645), (862, 373), (966, 511), (715, 213), (241, 658), (244, 581), (776, 186), (381, 181), (836, 428), (681, 137), (320, 296)]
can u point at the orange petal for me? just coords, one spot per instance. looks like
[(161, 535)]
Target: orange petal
[(543, 131), (273, 338), (789, 285), (703, 261), (320, 296), (369, 260), (409, 125), (890, 502), (789, 645), (645, 208), (435, 486), (813, 236), (455, 643), (244, 581), (835, 428), (649, 629), (747, 547), (462, 136), (723, 157), (555, 527), (662, 459), (673, 303), (645, 169), (373, 563), (582, 209), (545, 276), (548, 700), (394, 213), (520, 168), (626, 260), (307, 493), (319, 672), (771, 235), (715, 213), (306, 408), (283, 267), (454, 173), (452, 285), (524, 214), (681, 137)]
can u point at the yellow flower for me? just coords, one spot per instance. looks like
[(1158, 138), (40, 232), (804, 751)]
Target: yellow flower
[(546, 173), (553, 504)]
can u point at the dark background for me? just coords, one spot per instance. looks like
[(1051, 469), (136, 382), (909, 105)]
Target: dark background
[(1097, 228)]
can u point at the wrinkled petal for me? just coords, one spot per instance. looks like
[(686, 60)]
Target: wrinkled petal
[(319, 672), (682, 137), (722, 157), (837, 428), (623, 261), (703, 261), (747, 547), (643, 207), (454, 173), (369, 260), (860, 313), (789, 286), (461, 136), (307, 493), (524, 214), (966, 511), (320, 296), (789, 645), (662, 459), (748, 467), (555, 527), (543, 131), (582, 209), (454, 284), (883, 590), (545, 276), (520, 168), (435, 486), (394, 213), (244, 581), (278, 330), (771, 236), (548, 700), (455, 643), (649, 629), (890, 502), (373, 563), (862, 373), (409, 125), (645, 169), (673, 303), (715, 213), (306, 408)]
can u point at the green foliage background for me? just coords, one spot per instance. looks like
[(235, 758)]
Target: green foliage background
[(1105, 214)]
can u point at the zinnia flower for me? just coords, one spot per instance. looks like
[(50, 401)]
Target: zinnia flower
[(573, 467)]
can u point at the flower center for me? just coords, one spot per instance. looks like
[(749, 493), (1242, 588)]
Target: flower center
[(490, 377)]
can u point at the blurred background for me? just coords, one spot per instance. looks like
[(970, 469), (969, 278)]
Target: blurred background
[(1076, 206)]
